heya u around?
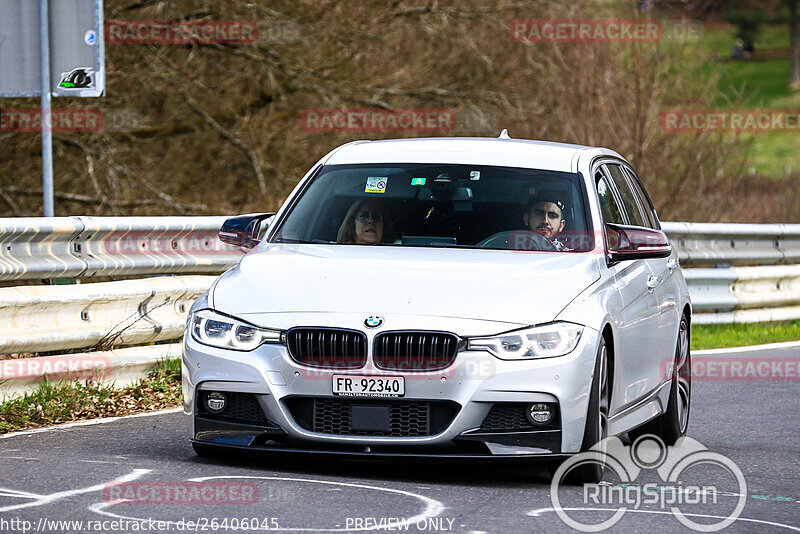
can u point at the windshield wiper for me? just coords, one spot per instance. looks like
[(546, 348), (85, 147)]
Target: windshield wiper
[(289, 240), (301, 241), (434, 244)]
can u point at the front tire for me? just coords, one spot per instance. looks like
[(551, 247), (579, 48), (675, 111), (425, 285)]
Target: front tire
[(674, 422), (596, 421)]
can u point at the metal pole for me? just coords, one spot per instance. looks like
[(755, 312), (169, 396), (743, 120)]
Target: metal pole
[(47, 134)]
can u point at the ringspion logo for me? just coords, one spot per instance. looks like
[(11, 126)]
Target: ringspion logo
[(690, 476)]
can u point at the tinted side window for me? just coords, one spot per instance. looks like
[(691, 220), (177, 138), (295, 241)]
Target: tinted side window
[(650, 218), (608, 204), (626, 195)]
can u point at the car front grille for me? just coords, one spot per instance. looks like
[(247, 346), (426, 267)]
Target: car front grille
[(327, 347), (406, 418), (414, 351), (242, 408)]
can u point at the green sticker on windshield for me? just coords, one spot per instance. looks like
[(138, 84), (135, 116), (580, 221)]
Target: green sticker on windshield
[(418, 181)]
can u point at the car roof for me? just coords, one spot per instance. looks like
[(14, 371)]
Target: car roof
[(467, 150)]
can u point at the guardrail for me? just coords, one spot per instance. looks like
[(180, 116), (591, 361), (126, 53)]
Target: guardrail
[(734, 244), (101, 315), (731, 292), (38, 248), (104, 316)]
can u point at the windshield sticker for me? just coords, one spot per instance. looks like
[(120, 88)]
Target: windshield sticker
[(376, 184), (474, 175), (418, 181)]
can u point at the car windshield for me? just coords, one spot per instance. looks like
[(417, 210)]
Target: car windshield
[(438, 205)]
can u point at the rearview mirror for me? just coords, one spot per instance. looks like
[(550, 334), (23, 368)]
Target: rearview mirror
[(453, 194), (245, 230), (633, 243)]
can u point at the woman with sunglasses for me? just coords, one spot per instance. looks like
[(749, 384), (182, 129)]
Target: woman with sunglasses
[(366, 223)]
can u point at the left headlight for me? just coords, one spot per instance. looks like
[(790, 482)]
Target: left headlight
[(546, 341), (210, 328)]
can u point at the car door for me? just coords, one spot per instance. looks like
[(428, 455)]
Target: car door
[(667, 287), (638, 319)]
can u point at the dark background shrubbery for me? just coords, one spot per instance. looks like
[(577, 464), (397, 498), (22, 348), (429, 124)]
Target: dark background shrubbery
[(217, 129)]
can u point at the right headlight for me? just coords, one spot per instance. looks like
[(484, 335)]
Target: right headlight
[(216, 330), (546, 341)]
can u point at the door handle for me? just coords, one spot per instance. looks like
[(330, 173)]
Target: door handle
[(652, 282), (672, 264)]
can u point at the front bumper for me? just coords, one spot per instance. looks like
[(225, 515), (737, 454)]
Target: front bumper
[(473, 384)]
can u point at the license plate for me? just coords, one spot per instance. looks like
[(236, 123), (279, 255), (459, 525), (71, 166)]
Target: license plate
[(368, 386)]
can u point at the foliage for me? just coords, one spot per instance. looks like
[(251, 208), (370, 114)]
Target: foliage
[(737, 335), (53, 403), (204, 129)]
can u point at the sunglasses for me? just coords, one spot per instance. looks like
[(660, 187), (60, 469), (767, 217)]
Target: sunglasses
[(365, 216)]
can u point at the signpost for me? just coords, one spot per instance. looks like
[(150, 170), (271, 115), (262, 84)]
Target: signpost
[(51, 48)]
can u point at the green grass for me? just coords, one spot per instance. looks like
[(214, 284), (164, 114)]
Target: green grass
[(751, 85), (737, 335), (62, 402), (762, 84)]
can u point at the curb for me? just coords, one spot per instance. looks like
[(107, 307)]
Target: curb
[(88, 422), (748, 348), (120, 367)]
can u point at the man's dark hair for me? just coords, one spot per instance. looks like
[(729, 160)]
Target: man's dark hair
[(548, 196)]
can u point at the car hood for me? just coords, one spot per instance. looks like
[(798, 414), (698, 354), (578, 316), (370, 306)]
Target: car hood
[(279, 285)]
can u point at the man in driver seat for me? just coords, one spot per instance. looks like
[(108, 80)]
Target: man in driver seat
[(545, 216)]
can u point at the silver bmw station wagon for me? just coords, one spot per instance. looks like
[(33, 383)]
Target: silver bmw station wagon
[(471, 298)]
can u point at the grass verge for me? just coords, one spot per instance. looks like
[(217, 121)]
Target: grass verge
[(753, 84), (719, 336), (64, 402)]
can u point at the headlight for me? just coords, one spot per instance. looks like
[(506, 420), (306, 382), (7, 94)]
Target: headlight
[(547, 341), (217, 330)]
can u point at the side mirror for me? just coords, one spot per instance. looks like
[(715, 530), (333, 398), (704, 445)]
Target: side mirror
[(635, 243), (245, 230)]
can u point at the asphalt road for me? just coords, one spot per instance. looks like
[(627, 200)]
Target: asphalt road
[(64, 475)]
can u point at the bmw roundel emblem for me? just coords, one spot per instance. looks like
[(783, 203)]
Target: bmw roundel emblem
[(373, 321)]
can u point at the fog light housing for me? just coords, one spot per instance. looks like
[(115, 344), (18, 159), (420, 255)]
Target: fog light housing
[(539, 413), (215, 401)]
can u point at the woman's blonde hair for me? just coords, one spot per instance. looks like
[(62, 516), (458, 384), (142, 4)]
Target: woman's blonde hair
[(347, 231)]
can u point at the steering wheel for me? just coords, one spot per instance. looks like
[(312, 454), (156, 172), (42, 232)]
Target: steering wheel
[(518, 240)]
